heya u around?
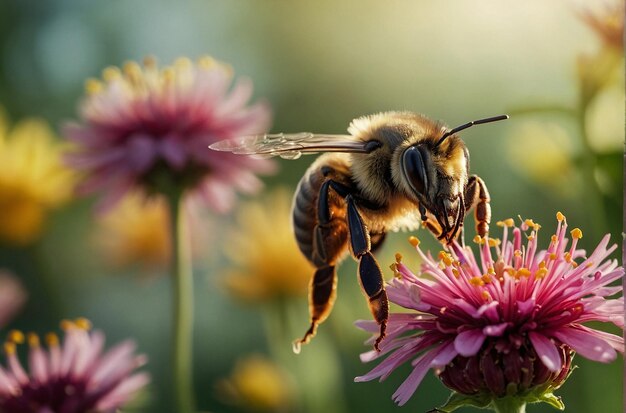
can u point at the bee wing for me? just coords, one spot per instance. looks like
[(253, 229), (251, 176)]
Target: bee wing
[(289, 145)]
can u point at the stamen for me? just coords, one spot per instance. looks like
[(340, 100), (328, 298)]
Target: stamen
[(485, 294), (67, 325), (10, 348), (83, 323), (494, 242), (479, 240), (33, 340), (486, 278), (93, 86), (52, 340), (111, 73), (576, 233), (554, 238), (532, 224), (476, 281), (559, 216), (15, 336), (414, 241), (522, 272), (150, 62), (553, 256), (445, 257), (541, 273), (509, 222), (398, 257), (206, 62), (456, 273)]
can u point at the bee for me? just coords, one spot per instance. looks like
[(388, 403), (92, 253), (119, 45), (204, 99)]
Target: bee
[(395, 170)]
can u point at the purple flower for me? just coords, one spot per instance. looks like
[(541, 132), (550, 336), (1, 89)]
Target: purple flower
[(150, 128), (504, 323), (75, 377)]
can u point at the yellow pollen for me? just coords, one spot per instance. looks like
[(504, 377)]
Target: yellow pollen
[(414, 241), (445, 257), (486, 278), (150, 62), (509, 222), (478, 240), (52, 340), (530, 237), (476, 281), (541, 273), (574, 264), (183, 62), (486, 296), (132, 70), (589, 264), (559, 216), (83, 323), (568, 257), (494, 242), (522, 272), (111, 73), (456, 273), (554, 238), (206, 62), (15, 336), (33, 340), (67, 325), (10, 348), (553, 256), (542, 264), (398, 257), (93, 86), (491, 271), (576, 233), (517, 253)]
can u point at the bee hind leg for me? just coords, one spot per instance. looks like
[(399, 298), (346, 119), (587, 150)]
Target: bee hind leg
[(322, 294), (477, 195), (370, 274)]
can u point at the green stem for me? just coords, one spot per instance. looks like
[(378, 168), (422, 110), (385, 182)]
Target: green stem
[(182, 306), (509, 405)]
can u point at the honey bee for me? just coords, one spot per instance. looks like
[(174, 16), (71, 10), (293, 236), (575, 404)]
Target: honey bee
[(395, 170)]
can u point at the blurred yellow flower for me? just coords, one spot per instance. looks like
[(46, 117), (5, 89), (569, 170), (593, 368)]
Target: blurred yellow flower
[(33, 179), (258, 385), (135, 231), (268, 263), (543, 152)]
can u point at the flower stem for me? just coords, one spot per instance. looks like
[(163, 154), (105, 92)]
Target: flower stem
[(182, 306), (509, 405)]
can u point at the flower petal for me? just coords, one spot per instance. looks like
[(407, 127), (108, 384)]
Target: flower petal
[(469, 342), (546, 350), (587, 344)]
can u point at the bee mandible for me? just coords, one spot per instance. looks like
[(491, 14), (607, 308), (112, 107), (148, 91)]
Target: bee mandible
[(395, 170)]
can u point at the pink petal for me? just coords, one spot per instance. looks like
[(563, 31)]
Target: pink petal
[(445, 355), (469, 342), (587, 344), (141, 152), (546, 350), (495, 330), (408, 387)]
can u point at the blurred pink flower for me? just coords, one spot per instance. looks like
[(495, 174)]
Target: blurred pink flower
[(506, 326), (12, 297), (150, 128), (74, 377)]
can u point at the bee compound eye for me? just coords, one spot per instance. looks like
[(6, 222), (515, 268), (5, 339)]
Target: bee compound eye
[(414, 168)]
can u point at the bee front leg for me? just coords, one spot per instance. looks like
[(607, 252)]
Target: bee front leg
[(370, 274), (477, 195)]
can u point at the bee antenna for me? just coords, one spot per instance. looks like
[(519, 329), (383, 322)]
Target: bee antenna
[(469, 124)]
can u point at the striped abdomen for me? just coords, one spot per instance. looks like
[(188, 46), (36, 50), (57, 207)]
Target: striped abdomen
[(305, 211)]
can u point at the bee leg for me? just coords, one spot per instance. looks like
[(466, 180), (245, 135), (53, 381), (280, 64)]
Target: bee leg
[(323, 286), (477, 195), (322, 294), (370, 274)]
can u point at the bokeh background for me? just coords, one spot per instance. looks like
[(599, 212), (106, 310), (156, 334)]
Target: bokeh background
[(319, 64)]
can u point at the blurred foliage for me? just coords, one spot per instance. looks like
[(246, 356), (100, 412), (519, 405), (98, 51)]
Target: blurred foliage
[(320, 64)]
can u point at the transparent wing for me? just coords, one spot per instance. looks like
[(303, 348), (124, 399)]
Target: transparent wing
[(289, 145)]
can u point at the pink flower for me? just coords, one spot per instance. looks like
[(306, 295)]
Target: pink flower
[(504, 323), (150, 128), (75, 377)]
